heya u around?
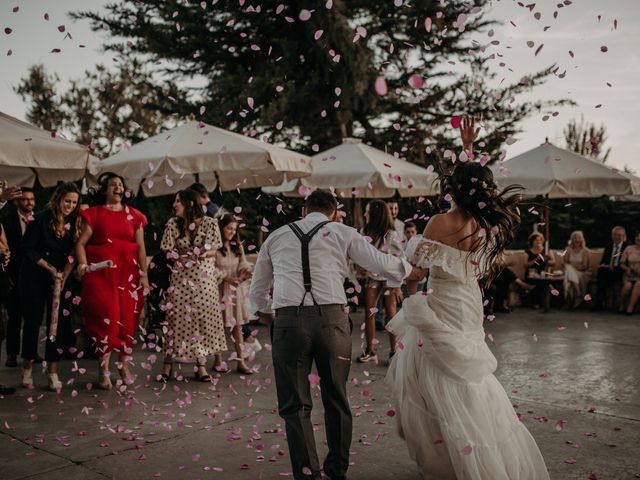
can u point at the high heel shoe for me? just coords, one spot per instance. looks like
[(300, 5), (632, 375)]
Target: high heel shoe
[(202, 377), (165, 377), (243, 369), (55, 385), (27, 377), (104, 380)]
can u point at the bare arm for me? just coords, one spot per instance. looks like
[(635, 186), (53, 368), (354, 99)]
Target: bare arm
[(81, 248), (585, 260), (142, 257)]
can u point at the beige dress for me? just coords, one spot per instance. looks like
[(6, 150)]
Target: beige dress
[(233, 300), (574, 277), (196, 328)]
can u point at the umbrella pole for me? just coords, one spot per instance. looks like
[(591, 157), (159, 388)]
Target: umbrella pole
[(547, 228)]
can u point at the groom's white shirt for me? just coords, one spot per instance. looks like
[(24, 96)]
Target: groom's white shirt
[(279, 263)]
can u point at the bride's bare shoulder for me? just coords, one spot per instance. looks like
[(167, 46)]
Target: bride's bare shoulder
[(438, 227)]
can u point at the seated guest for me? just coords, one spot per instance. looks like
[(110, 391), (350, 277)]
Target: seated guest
[(497, 293), (610, 270), (630, 264), (576, 270), (536, 263)]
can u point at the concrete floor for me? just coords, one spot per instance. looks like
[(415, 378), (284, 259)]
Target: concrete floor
[(579, 367)]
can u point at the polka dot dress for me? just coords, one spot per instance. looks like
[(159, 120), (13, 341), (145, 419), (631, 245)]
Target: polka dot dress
[(195, 324)]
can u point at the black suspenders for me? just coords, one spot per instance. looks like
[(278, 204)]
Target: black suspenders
[(305, 238)]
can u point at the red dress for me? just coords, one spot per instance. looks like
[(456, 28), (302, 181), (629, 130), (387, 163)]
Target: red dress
[(111, 298)]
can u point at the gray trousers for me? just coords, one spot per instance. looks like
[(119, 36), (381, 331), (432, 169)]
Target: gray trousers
[(302, 335)]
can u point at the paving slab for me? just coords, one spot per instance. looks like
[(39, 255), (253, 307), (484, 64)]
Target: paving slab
[(553, 366), (18, 459)]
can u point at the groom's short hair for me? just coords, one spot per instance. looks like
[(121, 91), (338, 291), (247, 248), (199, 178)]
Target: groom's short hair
[(321, 201)]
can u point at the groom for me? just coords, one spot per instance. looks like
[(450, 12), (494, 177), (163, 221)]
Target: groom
[(307, 262)]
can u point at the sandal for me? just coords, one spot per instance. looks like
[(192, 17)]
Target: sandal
[(202, 378), (243, 369), (165, 377)]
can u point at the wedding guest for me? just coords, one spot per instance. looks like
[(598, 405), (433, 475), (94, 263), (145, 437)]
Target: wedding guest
[(236, 271), (535, 263), (211, 209), (410, 230), (576, 270), (311, 325), (380, 229), (610, 271), (630, 264), (48, 244), (5, 254), (112, 298), (411, 234), (15, 226), (196, 329), (497, 293), (398, 225)]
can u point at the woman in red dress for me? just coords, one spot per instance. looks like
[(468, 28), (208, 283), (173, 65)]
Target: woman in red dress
[(112, 298)]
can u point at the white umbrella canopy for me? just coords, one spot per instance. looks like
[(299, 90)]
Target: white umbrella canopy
[(195, 151), (558, 173), (27, 152), (354, 168)]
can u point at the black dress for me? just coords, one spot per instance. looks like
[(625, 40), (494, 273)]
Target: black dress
[(537, 294), (36, 284)]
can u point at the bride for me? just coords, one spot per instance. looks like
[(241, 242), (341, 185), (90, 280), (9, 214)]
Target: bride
[(453, 413)]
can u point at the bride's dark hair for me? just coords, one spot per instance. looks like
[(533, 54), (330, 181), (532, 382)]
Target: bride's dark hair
[(495, 212)]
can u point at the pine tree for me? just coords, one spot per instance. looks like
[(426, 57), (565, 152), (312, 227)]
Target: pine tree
[(303, 73)]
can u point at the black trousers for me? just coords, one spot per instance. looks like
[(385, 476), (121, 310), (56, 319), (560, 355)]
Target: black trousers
[(14, 322), (36, 295), (498, 291), (301, 336), (605, 279)]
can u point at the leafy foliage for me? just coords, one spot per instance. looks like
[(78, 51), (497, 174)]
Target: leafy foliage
[(587, 139), (104, 109), (306, 77)]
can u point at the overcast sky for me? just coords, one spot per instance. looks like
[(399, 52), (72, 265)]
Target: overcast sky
[(577, 28)]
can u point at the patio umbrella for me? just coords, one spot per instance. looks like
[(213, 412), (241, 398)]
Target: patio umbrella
[(27, 152), (554, 172), (197, 152), (354, 168)]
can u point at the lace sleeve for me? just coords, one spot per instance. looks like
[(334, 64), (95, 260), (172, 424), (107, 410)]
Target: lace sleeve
[(419, 251)]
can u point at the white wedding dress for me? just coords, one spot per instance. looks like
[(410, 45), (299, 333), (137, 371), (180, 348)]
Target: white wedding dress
[(453, 413)]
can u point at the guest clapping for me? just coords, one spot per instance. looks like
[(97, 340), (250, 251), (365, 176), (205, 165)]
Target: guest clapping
[(630, 264), (48, 245), (195, 325), (576, 270), (234, 289), (112, 298)]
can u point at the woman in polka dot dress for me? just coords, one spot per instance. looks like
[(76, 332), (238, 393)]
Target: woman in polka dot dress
[(195, 326)]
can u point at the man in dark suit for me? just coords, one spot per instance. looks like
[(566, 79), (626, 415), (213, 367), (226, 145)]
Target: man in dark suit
[(609, 271), (15, 224)]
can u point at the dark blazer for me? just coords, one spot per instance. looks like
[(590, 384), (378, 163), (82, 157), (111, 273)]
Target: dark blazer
[(11, 225), (606, 256)]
